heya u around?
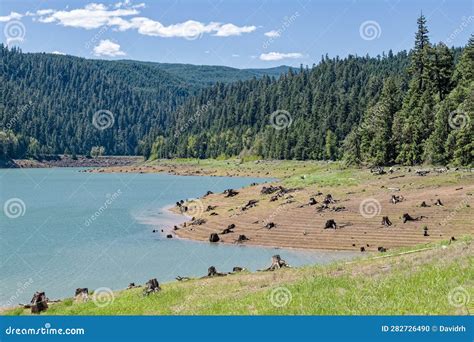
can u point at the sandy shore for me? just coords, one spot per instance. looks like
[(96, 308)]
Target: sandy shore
[(361, 201)]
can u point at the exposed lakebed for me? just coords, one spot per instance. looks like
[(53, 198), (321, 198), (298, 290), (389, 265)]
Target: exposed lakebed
[(62, 229)]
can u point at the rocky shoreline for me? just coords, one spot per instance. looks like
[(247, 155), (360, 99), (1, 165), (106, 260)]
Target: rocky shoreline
[(79, 161)]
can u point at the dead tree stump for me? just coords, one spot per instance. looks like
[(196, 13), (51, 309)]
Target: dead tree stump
[(277, 263), (330, 224), (212, 272), (152, 286), (214, 237), (82, 294), (39, 303), (386, 221)]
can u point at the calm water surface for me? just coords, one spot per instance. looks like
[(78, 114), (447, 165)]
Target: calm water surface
[(61, 229)]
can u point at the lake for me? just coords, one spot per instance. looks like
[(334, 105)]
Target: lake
[(62, 229)]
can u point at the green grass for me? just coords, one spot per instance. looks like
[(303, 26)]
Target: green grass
[(415, 283)]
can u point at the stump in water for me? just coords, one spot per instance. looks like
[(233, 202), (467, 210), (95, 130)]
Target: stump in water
[(242, 238), (277, 263), (169, 236), (386, 221), (214, 237), (270, 225), (82, 294), (212, 272), (152, 286), (39, 303), (330, 224)]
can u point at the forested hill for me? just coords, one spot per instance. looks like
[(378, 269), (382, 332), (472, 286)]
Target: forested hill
[(48, 102), (403, 108)]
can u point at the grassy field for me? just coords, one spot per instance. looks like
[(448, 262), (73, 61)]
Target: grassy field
[(436, 280)]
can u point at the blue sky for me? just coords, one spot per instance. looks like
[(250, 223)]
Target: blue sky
[(241, 34)]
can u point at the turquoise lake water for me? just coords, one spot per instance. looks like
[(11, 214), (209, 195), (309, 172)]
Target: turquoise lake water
[(62, 229)]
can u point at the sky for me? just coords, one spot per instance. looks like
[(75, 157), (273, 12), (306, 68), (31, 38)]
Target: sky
[(241, 34)]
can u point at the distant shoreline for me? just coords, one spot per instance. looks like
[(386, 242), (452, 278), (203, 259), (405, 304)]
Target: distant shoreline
[(69, 161)]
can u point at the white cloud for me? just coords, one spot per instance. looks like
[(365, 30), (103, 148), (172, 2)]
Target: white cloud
[(122, 17), (58, 53), (92, 16), (11, 16), (235, 55), (108, 48), (272, 34), (277, 56)]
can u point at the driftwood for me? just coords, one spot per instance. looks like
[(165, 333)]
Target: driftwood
[(213, 214), (250, 204), (277, 263), (338, 209), (131, 286), (211, 207), (209, 192), (230, 193), (386, 221), (274, 198), (407, 217), (422, 172), (39, 303), (330, 224), (179, 278), (197, 222), (214, 237)]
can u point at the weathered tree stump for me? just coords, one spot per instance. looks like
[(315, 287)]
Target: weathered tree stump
[(209, 192), (407, 217), (439, 203), (362, 249), (242, 238), (424, 205), (39, 303), (230, 193), (312, 201), (198, 222), (277, 263), (212, 272), (152, 286), (237, 269), (386, 221), (330, 224), (270, 225), (211, 207), (329, 199), (250, 204), (396, 199), (214, 237), (382, 249), (425, 231), (82, 294)]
